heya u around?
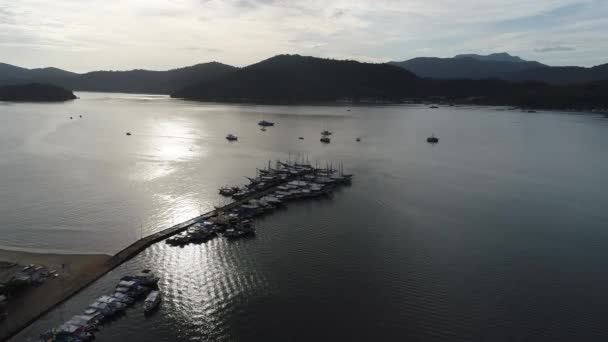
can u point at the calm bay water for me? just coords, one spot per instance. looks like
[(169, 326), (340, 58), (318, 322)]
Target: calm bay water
[(497, 233)]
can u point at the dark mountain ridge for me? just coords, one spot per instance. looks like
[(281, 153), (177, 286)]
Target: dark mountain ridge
[(132, 81), (560, 75), (294, 78), (8, 71)]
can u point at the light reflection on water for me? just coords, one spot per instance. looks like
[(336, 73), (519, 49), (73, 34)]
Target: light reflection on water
[(496, 233)]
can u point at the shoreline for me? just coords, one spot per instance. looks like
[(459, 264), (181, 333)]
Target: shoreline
[(84, 270), (76, 271), (28, 250)]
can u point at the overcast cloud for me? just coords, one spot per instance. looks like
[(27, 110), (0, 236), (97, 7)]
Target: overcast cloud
[(84, 35)]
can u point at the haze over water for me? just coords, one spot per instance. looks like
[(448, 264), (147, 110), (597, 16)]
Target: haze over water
[(496, 233)]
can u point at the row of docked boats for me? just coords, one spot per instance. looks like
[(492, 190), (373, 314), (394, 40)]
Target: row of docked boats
[(271, 189), (286, 175), (201, 232), (105, 308)]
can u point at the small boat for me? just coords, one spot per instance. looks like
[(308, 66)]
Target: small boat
[(232, 137), (80, 116), (123, 298), (232, 233), (263, 129), (70, 118), (103, 308), (228, 191), (301, 138), (432, 139), (358, 139), (151, 301), (434, 107), (75, 332), (325, 140), (128, 133), (326, 133), (95, 314), (532, 111), (90, 323), (265, 123)]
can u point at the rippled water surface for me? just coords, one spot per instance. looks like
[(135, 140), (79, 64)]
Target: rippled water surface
[(497, 233)]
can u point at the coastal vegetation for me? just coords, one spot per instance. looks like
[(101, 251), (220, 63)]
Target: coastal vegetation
[(35, 92)]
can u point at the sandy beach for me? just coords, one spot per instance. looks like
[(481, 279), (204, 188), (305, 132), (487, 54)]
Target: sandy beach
[(75, 271)]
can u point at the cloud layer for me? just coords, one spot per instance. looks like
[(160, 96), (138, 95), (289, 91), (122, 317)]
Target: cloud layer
[(159, 34)]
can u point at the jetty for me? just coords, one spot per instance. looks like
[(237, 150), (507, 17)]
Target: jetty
[(272, 187)]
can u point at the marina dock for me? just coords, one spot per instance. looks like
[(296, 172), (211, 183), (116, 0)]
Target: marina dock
[(286, 182)]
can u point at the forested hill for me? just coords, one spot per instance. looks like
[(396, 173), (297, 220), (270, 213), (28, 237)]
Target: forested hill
[(35, 92), (567, 75), (296, 79)]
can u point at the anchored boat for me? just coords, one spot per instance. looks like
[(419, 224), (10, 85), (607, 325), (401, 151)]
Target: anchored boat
[(432, 139), (265, 123)]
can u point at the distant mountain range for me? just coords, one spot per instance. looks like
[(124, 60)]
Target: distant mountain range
[(133, 81), (494, 57), (474, 67), (498, 79), (501, 66)]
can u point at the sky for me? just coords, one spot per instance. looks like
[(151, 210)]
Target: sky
[(86, 35)]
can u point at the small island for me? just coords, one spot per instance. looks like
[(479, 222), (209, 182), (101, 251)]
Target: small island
[(35, 92)]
